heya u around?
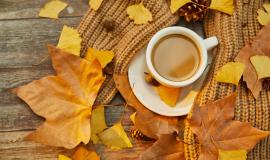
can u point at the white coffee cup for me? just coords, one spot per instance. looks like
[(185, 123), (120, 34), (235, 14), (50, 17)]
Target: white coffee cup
[(203, 45)]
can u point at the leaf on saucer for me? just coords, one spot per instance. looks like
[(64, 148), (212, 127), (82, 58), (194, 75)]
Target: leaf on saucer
[(132, 117), (225, 6), (115, 137), (95, 4), (216, 130), (150, 124), (232, 155), (104, 57), (64, 100), (70, 40), (139, 14), (264, 16), (230, 73), (82, 153), (260, 63), (168, 95), (52, 9), (63, 157), (176, 4), (98, 123), (167, 147)]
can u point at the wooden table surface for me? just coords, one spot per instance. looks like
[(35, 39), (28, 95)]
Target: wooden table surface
[(23, 40)]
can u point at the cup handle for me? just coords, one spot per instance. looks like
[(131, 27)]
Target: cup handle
[(211, 42)]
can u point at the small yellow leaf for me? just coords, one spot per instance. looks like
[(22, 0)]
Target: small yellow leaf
[(139, 14), (225, 6), (104, 57), (63, 157), (70, 40), (261, 65), (230, 73), (176, 4), (132, 117), (95, 4), (264, 16), (84, 154), (168, 95), (115, 137), (52, 9), (232, 155), (98, 123)]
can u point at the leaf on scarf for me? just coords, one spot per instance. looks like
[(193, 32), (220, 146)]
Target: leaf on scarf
[(230, 73), (115, 137), (98, 123), (65, 100), (225, 6), (52, 9), (264, 16), (216, 130), (139, 13), (95, 4), (176, 4), (82, 153), (167, 147), (132, 117), (63, 157), (260, 63), (150, 124), (232, 155), (104, 57), (70, 40), (168, 95)]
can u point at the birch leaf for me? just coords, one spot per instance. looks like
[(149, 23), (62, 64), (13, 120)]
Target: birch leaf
[(225, 6), (168, 95), (264, 16), (230, 73), (115, 137), (63, 157), (232, 155), (98, 123), (95, 4), (132, 117), (70, 40), (104, 57), (52, 9), (82, 153), (261, 65), (139, 14), (176, 4)]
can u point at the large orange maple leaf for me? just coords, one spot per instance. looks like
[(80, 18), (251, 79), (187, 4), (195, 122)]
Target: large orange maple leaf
[(64, 100)]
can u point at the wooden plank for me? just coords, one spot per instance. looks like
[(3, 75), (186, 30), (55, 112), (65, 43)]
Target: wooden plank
[(24, 42), (12, 146), (24, 9)]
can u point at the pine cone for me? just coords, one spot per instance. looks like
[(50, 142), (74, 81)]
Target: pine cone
[(195, 10)]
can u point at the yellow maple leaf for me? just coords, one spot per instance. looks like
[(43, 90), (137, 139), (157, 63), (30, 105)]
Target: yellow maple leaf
[(176, 4), (230, 73), (264, 16), (104, 57), (261, 65), (225, 6), (52, 9), (115, 137), (232, 155), (70, 40), (63, 157), (95, 4), (139, 13), (168, 95), (98, 123), (82, 153), (132, 117)]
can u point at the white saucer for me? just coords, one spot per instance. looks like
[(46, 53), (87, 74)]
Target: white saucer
[(148, 96)]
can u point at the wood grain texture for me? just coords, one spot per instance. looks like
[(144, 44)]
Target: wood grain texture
[(25, 9)]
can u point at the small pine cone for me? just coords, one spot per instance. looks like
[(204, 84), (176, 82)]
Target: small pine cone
[(195, 10), (136, 133)]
